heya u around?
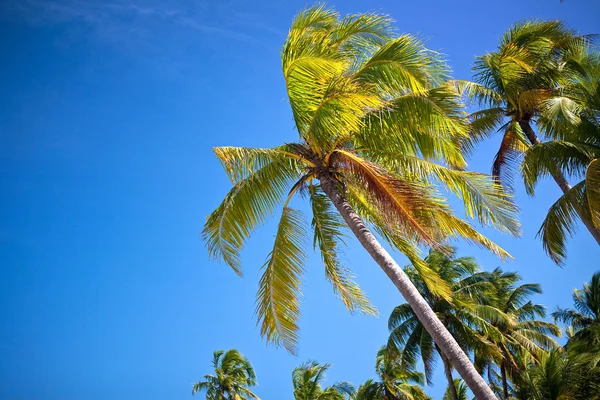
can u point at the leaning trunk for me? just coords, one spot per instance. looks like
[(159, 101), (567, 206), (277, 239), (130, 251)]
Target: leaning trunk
[(424, 313), (448, 372), (504, 381), (559, 178)]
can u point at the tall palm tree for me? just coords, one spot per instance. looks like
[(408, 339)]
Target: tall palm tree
[(379, 131), (516, 84), (396, 381), (523, 335), (307, 380), (465, 315), (572, 120), (232, 378), (585, 318)]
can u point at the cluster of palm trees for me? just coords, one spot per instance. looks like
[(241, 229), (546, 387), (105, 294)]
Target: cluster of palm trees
[(383, 134), (492, 317)]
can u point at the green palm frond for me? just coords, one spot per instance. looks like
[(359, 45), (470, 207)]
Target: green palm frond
[(328, 228), (278, 307), (560, 222), (543, 159), (247, 205), (592, 179)]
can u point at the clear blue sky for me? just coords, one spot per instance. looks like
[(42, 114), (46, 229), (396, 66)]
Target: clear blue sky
[(108, 113)]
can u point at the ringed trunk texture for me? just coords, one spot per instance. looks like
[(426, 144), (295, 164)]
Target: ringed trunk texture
[(504, 382), (559, 178), (424, 313)]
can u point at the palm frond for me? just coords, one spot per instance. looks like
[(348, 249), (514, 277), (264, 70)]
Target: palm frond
[(278, 307), (328, 233)]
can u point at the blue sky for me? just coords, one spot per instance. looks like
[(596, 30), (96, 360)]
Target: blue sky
[(109, 111)]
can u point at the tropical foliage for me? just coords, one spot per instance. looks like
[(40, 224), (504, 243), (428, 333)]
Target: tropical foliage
[(383, 136), (232, 378)]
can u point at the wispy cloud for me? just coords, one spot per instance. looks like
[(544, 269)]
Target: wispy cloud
[(150, 29)]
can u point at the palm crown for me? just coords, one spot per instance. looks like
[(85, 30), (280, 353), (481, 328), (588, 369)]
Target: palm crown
[(377, 122), (233, 375), (307, 381)]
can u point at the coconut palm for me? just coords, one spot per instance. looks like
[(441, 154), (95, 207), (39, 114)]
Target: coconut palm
[(523, 335), (380, 131), (307, 381), (396, 381), (585, 318), (465, 315), (460, 388), (519, 82), (232, 378), (572, 120)]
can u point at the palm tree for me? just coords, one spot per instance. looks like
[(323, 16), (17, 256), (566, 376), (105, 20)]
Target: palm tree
[(460, 388), (571, 119), (465, 315), (519, 82), (396, 381), (379, 131), (523, 335), (307, 384), (584, 319), (233, 376)]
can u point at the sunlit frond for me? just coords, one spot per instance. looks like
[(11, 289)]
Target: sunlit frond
[(328, 229), (247, 205), (278, 307), (560, 222)]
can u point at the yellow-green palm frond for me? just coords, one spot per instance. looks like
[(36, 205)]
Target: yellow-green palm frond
[(356, 34), (508, 158), (592, 179), (340, 112), (430, 123), (545, 158), (328, 229), (397, 240), (247, 205), (483, 198), (404, 204), (560, 222), (477, 93), (403, 64), (454, 227), (278, 306)]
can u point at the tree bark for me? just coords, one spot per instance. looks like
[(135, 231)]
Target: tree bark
[(448, 372), (424, 313), (559, 178), (504, 381)]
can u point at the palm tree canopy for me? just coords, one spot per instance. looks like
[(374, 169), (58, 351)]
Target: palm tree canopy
[(467, 314), (374, 113), (307, 381), (585, 318), (461, 390), (533, 74), (232, 378)]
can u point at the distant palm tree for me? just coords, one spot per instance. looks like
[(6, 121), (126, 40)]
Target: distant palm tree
[(460, 388), (232, 378), (307, 384), (522, 334), (516, 84), (380, 132), (584, 319), (396, 381), (465, 315), (572, 120)]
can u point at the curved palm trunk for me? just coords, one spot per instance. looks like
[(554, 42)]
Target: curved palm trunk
[(559, 178), (504, 381), (448, 372), (424, 313)]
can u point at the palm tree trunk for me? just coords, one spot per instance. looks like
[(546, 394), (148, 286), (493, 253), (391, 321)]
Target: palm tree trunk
[(559, 178), (504, 382), (424, 313), (448, 372)]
